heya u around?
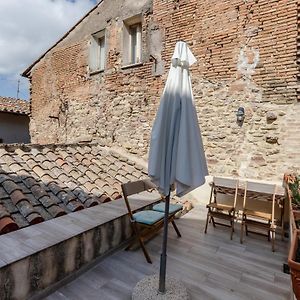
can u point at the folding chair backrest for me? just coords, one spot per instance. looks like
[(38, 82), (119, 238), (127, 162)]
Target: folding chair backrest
[(135, 187), (225, 182), (226, 186), (257, 191), (258, 187)]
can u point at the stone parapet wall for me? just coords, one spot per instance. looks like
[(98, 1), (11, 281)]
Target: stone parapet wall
[(33, 260), (247, 56)]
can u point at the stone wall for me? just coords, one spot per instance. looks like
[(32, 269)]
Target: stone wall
[(247, 56)]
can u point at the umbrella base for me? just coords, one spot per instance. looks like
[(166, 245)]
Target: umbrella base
[(147, 289)]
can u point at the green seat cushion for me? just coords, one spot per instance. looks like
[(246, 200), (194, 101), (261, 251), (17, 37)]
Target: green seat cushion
[(148, 217), (172, 209)]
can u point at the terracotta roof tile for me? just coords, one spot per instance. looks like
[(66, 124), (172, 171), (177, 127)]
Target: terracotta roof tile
[(3, 212), (17, 196), (117, 196), (33, 200), (34, 218), (56, 211), (3, 176), (5, 169), (113, 173), (90, 186), (10, 207), (7, 224), (55, 199), (30, 182), (91, 202), (75, 174), (10, 186), (75, 206), (100, 182), (3, 193), (38, 182), (44, 213), (104, 198), (38, 192), (12, 105), (95, 168), (28, 212), (122, 179), (90, 174), (82, 196), (23, 187), (19, 219)]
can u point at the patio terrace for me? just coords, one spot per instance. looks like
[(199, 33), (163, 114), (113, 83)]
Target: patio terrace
[(211, 266)]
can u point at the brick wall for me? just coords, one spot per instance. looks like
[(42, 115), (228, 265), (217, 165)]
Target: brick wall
[(247, 56)]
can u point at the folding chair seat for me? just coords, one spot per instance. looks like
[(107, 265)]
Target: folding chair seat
[(145, 223), (148, 217), (173, 209), (261, 218), (219, 207)]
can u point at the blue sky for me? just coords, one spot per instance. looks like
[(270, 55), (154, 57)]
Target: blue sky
[(27, 29)]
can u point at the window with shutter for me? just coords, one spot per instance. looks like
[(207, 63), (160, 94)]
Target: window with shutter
[(132, 41), (97, 52)]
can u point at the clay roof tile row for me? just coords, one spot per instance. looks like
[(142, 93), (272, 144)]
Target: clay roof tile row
[(38, 182), (16, 106)]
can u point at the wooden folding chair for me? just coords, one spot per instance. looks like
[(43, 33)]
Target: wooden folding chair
[(146, 222), (224, 209), (260, 218)]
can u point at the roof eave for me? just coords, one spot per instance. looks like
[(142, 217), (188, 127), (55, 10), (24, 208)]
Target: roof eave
[(27, 72)]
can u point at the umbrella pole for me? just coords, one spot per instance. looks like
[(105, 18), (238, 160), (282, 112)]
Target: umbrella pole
[(163, 257)]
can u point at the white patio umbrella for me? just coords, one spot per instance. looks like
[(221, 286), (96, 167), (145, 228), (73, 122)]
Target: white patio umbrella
[(176, 151)]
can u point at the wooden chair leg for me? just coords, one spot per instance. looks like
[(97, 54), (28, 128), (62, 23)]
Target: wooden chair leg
[(176, 229), (242, 232), (282, 233), (147, 256), (273, 240), (137, 232), (207, 219), (232, 228), (213, 221)]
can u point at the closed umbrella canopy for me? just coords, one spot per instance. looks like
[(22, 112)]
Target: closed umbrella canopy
[(176, 151)]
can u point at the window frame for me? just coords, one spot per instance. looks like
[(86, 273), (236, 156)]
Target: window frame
[(133, 28), (97, 53), (135, 51)]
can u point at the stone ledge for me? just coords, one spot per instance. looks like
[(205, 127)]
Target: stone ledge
[(34, 258)]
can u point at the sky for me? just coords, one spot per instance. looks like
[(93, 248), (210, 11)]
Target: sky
[(27, 29)]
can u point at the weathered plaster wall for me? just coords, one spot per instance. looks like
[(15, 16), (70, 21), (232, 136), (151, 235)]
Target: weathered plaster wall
[(14, 128), (247, 56)]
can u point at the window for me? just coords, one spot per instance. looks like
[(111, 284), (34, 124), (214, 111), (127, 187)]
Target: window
[(1, 141), (97, 52), (132, 44), (135, 32)]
